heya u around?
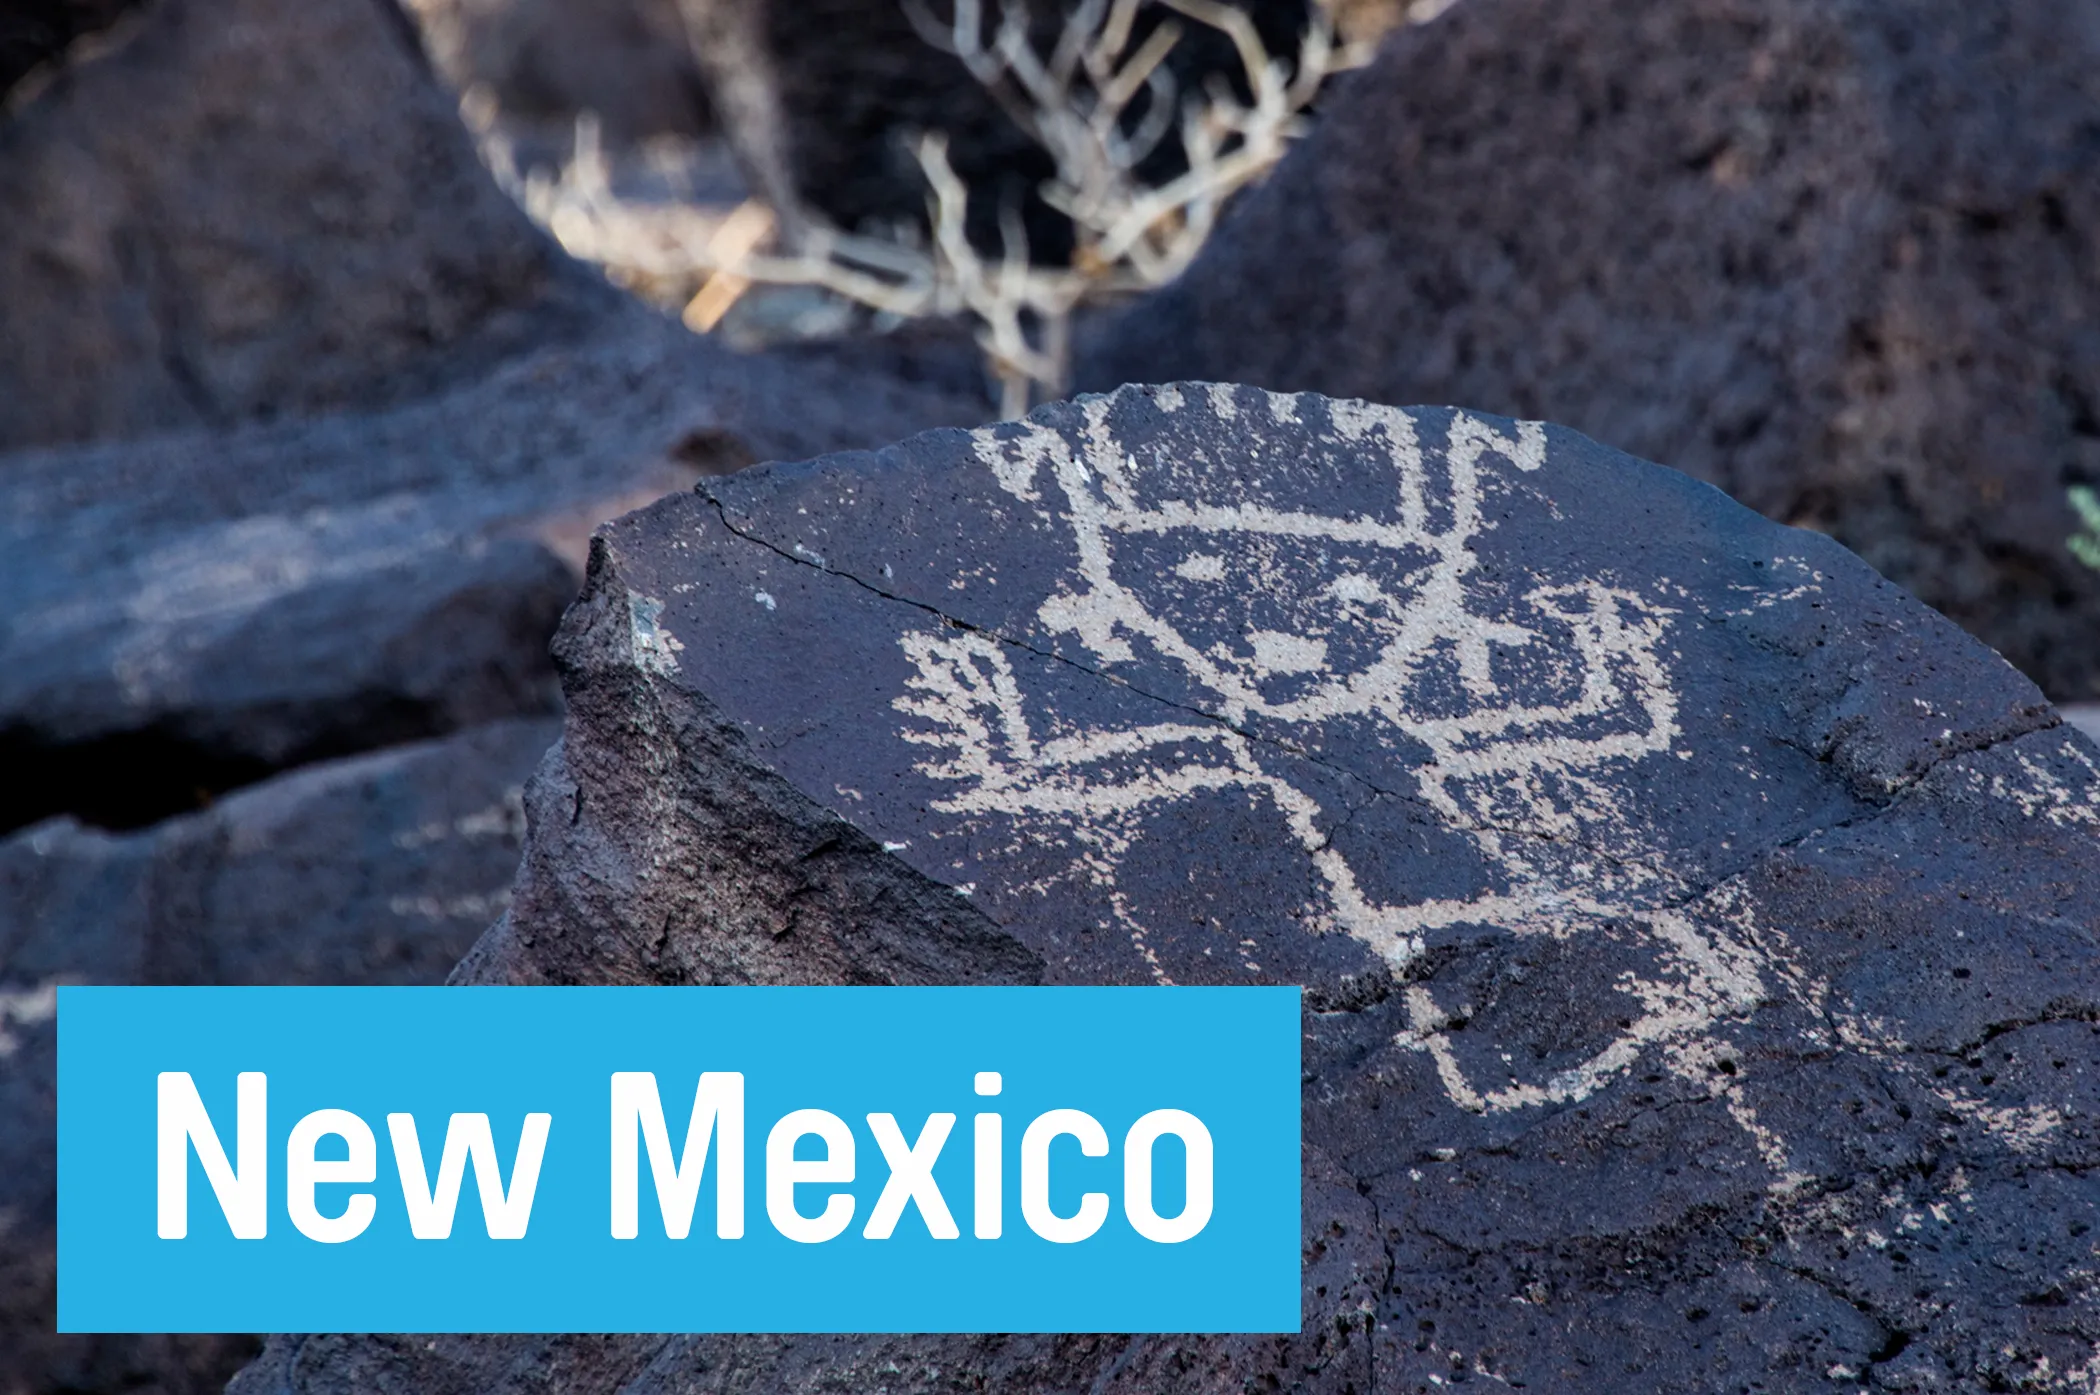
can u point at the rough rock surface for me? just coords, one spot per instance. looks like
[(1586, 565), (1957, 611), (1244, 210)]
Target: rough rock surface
[(1833, 257), (1697, 932), (306, 226), (192, 612), (381, 869)]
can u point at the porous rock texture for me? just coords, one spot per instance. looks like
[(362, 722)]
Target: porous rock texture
[(243, 209), (1833, 256), (378, 869), (1697, 933)]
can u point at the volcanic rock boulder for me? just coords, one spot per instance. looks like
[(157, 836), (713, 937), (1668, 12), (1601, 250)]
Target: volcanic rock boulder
[(1697, 933), (35, 32), (234, 211), (1833, 257), (200, 611), (194, 612), (251, 209), (380, 869)]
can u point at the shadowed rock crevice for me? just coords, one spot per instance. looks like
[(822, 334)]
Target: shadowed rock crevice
[(34, 33), (118, 782), (381, 869), (265, 644)]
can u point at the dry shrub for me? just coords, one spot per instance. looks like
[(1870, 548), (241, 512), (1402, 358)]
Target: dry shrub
[(1099, 101)]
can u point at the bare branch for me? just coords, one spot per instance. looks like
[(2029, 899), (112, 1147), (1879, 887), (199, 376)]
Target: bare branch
[(1079, 103)]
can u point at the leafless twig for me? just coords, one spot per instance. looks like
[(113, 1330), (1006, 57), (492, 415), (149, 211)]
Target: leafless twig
[(1099, 102)]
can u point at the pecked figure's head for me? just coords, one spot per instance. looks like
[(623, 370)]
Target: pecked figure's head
[(1288, 597)]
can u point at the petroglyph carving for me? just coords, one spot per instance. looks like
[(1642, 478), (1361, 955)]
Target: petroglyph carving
[(2042, 794), (1510, 726)]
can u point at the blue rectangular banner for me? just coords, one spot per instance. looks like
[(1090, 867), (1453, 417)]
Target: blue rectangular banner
[(678, 1159)]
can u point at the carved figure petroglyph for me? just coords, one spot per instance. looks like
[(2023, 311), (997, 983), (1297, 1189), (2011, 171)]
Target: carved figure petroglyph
[(1510, 727)]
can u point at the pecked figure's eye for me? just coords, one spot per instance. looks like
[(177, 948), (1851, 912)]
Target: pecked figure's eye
[(1201, 566)]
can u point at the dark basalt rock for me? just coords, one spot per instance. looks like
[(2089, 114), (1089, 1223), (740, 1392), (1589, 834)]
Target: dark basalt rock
[(1832, 257), (36, 32), (243, 209), (380, 869), (195, 612), (308, 226), (1697, 932)]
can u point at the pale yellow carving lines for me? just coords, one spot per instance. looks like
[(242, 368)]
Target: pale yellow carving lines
[(2045, 795), (1506, 771)]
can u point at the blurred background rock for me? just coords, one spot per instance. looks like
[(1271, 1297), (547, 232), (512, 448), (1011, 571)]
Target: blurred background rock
[(545, 62), (32, 31)]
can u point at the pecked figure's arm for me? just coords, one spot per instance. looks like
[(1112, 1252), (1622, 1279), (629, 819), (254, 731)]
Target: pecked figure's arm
[(968, 709)]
